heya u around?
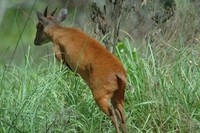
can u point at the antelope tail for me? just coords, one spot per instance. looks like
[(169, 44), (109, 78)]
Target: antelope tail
[(122, 77)]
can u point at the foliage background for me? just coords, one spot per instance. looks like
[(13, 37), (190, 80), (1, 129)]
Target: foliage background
[(37, 94)]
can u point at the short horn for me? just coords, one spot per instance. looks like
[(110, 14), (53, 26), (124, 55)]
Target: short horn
[(45, 11), (53, 12)]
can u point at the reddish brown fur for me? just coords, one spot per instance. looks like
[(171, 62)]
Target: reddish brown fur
[(102, 71)]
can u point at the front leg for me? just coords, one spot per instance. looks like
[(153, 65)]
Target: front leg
[(58, 53), (60, 56)]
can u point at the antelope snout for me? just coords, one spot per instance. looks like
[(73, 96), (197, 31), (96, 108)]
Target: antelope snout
[(36, 42)]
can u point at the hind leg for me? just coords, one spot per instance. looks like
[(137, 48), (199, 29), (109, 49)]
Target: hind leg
[(118, 105), (103, 103), (120, 114)]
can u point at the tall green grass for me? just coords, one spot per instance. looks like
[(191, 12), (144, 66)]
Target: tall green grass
[(50, 98), (166, 77), (167, 90)]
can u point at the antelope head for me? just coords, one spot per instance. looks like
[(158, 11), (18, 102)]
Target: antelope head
[(44, 21)]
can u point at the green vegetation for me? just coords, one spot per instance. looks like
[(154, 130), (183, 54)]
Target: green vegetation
[(50, 98), (44, 96)]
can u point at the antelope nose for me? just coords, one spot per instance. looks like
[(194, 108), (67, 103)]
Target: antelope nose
[(36, 42)]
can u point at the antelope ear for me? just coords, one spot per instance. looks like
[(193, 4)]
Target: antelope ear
[(62, 15), (42, 19)]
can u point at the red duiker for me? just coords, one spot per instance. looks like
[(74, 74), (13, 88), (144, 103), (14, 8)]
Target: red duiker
[(102, 71)]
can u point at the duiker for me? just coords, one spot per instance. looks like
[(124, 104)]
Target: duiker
[(102, 71)]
